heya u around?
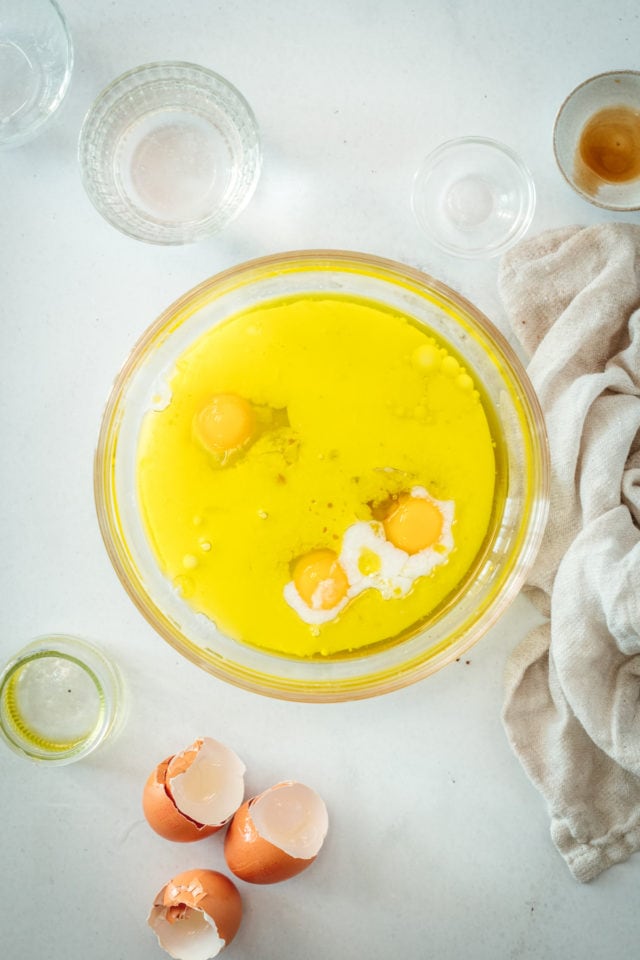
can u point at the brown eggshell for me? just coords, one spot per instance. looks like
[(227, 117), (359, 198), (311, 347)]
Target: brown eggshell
[(181, 762), (254, 859), (162, 814), (209, 891)]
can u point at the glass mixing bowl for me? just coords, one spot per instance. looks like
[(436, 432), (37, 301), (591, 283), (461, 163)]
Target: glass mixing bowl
[(516, 526)]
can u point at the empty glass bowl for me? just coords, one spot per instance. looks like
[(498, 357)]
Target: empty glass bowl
[(36, 59), (170, 153), (473, 197), (596, 140)]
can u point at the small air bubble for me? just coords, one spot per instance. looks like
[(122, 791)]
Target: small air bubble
[(426, 358), (450, 366)]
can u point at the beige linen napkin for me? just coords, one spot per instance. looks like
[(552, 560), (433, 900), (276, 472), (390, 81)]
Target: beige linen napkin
[(572, 709)]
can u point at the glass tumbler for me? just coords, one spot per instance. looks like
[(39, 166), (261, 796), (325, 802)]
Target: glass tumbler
[(36, 59), (170, 152)]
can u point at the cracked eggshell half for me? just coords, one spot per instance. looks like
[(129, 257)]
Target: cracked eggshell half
[(196, 914), (277, 834), (195, 793)]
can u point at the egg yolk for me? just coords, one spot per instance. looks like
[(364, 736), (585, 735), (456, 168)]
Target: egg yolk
[(413, 524), (320, 580), (225, 424)]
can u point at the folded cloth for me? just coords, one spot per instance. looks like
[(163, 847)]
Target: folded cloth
[(572, 707)]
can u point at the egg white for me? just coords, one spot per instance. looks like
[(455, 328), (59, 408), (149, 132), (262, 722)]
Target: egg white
[(313, 615), (397, 570), (367, 537)]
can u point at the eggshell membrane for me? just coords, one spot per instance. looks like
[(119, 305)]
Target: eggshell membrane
[(196, 914), (206, 782), (255, 859), (162, 814)]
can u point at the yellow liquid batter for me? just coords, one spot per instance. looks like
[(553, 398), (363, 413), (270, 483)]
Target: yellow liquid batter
[(351, 404)]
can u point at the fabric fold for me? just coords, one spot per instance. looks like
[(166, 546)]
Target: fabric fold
[(572, 700)]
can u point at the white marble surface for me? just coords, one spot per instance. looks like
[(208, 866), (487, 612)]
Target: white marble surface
[(439, 845)]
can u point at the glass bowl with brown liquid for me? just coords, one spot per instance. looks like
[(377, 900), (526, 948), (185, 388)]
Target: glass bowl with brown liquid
[(596, 140)]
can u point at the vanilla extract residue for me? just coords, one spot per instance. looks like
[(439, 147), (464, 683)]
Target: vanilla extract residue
[(609, 148)]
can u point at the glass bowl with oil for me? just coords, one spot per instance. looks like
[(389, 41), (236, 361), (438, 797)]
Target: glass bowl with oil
[(60, 698), (596, 140), (338, 357)]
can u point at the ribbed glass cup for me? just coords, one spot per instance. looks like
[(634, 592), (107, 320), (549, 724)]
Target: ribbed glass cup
[(170, 153)]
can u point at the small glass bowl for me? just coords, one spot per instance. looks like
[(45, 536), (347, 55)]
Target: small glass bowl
[(59, 699), (617, 93), (515, 531), (473, 197), (170, 152), (36, 60)]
